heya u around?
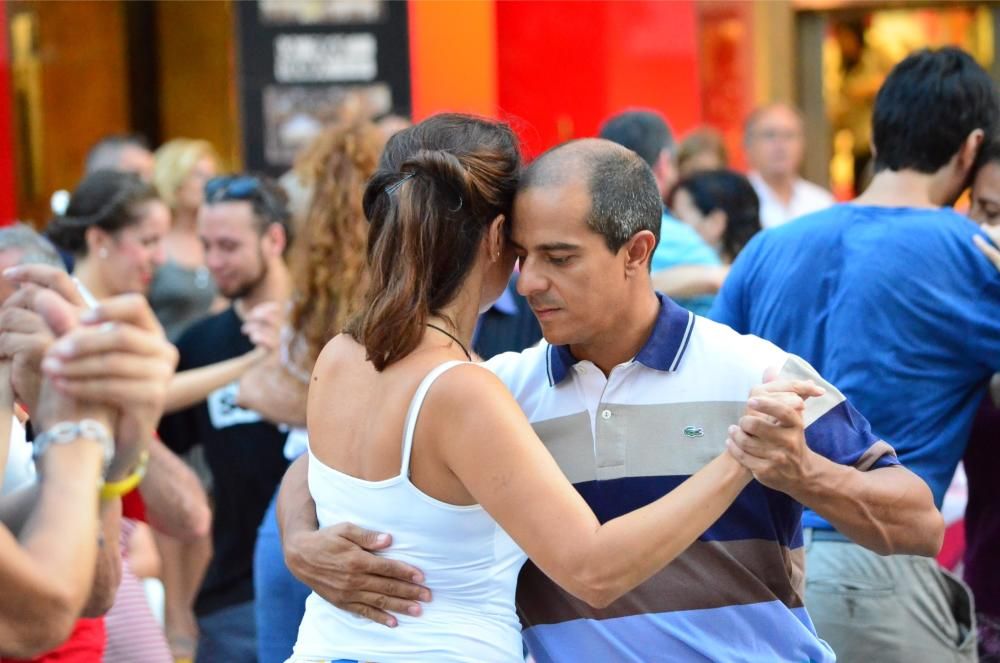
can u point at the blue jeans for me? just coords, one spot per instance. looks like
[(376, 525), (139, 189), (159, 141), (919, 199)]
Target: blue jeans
[(229, 634), (281, 598)]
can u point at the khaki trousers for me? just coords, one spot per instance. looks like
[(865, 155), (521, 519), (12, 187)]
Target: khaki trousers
[(895, 609)]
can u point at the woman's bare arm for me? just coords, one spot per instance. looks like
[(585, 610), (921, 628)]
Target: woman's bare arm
[(192, 386), (488, 443)]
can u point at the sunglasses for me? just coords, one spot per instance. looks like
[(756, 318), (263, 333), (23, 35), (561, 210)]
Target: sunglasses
[(241, 187)]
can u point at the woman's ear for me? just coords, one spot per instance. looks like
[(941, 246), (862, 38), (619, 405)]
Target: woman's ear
[(497, 236), (714, 226), (97, 241)]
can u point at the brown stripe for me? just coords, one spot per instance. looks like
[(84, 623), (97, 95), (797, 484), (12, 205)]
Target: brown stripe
[(710, 574), (874, 452)]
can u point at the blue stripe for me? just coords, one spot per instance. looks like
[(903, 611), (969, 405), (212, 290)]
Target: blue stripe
[(760, 632), (843, 435), (758, 512)]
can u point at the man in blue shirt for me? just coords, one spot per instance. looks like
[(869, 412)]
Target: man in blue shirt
[(646, 133), (889, 299)]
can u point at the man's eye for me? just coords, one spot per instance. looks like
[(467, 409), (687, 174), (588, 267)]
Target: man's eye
[(559, 261)]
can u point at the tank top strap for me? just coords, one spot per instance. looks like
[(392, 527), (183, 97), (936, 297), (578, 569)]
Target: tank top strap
[(414, 412)]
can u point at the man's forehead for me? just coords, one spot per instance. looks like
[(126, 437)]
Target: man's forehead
[(229, 213), (780, 115), (550, 217), (988, 178)]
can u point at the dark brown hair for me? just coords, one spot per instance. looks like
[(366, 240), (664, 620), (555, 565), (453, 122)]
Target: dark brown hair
[(438, 186), (108, 199)]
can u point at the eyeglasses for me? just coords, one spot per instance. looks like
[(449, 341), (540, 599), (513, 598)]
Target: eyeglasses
[(242, 187)]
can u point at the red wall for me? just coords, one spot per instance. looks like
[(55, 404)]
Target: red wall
[(8, 195), (563, 67)]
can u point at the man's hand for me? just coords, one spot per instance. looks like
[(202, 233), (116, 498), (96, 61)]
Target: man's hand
[(24, 339), (770, 438), (54, 405), (990, 251), (337, 564), (48, 278)]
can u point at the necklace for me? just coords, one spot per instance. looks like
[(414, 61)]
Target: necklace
[(452, 337)]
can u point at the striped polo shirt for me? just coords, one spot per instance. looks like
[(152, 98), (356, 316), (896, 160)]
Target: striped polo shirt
[(627, 439)]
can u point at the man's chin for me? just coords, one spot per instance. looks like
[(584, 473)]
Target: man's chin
[(556, 334)]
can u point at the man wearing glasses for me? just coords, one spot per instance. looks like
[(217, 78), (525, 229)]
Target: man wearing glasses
[(244, 225)]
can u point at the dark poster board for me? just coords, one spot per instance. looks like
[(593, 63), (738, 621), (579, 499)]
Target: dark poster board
[(300, 59)]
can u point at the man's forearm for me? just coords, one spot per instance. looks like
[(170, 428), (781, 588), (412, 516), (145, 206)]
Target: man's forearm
[(52, 570), (888, 510), (176, 503), (690, 280), (296, 508), (15, 508), (108, 573), (270, 390)]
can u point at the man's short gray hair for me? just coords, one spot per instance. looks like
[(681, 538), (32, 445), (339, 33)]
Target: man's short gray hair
[(107, 152), (624, 199), (35, 249)]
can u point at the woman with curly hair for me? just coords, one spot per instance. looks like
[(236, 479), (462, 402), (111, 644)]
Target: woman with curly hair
[(329, 279)]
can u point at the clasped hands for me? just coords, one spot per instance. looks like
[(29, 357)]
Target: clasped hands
[(111, 363), (769, 439)]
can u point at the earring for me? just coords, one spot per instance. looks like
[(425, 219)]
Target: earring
[(102, 253)]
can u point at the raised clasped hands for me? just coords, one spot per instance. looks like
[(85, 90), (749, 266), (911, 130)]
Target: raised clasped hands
[(110, 363), (769, 439)]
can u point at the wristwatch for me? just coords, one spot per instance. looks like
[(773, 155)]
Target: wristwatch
[(69, 431)]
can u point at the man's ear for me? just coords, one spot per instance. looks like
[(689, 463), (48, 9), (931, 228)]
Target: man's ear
[(275, 239), (970, 149), (639, 252)]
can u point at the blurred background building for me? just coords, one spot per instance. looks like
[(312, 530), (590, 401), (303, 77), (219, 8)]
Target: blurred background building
[(257, 78)]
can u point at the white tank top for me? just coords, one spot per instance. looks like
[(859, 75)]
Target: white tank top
[(470, 563)]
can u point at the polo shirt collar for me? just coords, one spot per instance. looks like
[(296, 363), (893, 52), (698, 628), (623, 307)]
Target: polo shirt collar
[(662, 351)]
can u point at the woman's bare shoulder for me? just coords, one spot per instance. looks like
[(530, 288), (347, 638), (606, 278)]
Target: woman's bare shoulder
[(338, 350)]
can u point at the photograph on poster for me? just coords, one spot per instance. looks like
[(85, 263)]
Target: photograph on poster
[(321, 12), (325, 58), (293, 115)]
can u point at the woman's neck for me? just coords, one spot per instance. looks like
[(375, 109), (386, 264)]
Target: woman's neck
[(460, 316), (87, 273)]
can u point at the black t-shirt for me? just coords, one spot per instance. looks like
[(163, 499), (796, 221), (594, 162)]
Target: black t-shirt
[(244, 453)]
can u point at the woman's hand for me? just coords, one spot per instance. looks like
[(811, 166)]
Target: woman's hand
[(263, 325), (989, 250), (117, 357)]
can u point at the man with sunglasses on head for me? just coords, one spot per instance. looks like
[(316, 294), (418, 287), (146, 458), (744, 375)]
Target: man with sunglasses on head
[(244, 225)]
